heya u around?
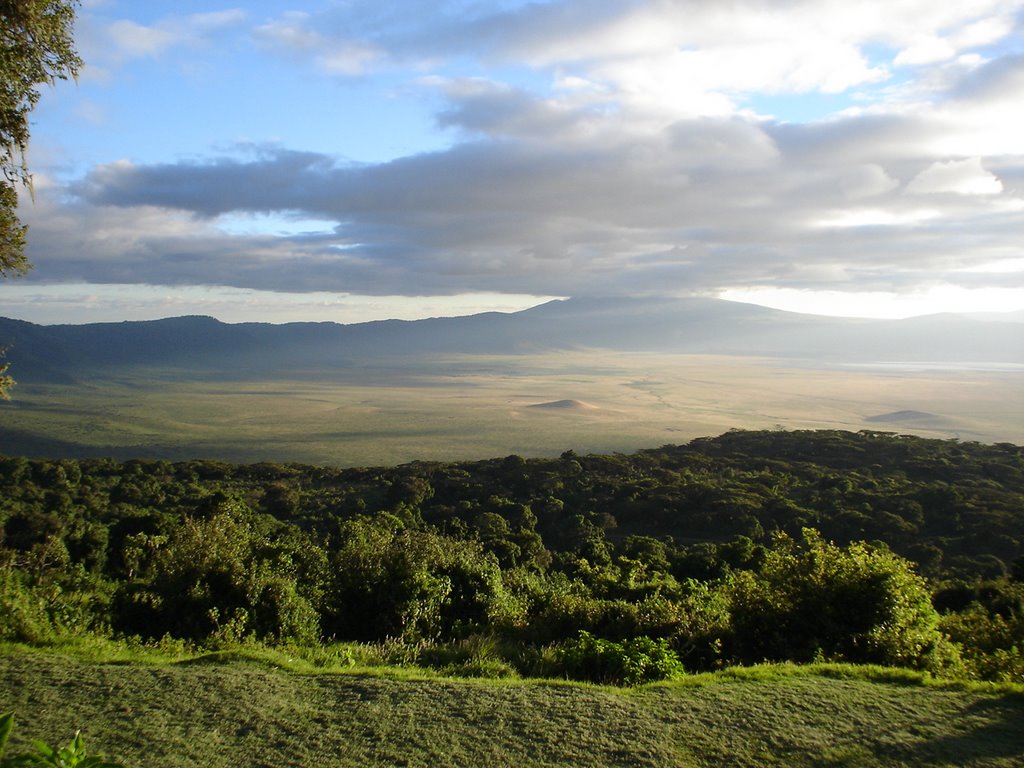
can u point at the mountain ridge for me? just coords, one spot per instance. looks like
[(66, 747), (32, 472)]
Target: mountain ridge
[(199, 344)]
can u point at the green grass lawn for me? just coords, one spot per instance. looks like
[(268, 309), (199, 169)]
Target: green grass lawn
[(240, 713)]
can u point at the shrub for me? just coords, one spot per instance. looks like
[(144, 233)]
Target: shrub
[(812, 599), (473, 656), (23, 617), (704, 621), (992, 645), (631, 662)]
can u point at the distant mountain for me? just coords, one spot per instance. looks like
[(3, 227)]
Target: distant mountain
[(201, 346), (999, 317)]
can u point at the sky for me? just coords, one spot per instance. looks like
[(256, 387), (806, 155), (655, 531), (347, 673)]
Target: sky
[(351, 160)]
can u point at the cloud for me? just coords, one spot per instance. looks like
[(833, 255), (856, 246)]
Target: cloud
[(962, 177), (686, 56), (934, 44), (295, 34), (292, 31), (660, 59), (702, 204), (135, 40), (121, 40), (867, 180), (995, 82), (212, 188), (625, 162)]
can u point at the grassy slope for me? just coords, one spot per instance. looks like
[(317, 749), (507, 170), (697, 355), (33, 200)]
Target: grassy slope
[(239, 713)]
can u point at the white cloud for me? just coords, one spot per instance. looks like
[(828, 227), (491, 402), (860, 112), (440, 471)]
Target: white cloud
[(666, 58), (946, 36), (135, 40), (985, 31), (882, 304), (877, 217), (349, 58), (292, 31), (711, 51), (962, 177), (295, 33), (125, 39), (928, 49)]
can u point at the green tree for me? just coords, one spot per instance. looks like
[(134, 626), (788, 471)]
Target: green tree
[(36, 48)]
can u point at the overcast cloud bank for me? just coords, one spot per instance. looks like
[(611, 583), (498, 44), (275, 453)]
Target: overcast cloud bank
[(608, 148)]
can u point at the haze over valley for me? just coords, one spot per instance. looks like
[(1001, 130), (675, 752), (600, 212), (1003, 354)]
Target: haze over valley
[(586, 375)]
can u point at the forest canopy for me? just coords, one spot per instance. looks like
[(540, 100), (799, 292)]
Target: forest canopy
[(868, 547)]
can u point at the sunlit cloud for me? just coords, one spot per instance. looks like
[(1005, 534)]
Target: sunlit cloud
[(879, 304), (962, 177)]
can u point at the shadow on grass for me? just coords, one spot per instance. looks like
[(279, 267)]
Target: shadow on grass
[(992, 730)]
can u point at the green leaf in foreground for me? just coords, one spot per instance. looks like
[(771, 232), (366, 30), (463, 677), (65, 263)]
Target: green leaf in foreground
[(45, 756)]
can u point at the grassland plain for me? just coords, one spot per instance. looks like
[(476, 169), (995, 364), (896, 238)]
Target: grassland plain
[(235, 711), (474, 406)]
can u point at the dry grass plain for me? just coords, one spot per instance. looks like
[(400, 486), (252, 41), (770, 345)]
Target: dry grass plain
[(467, 407)]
